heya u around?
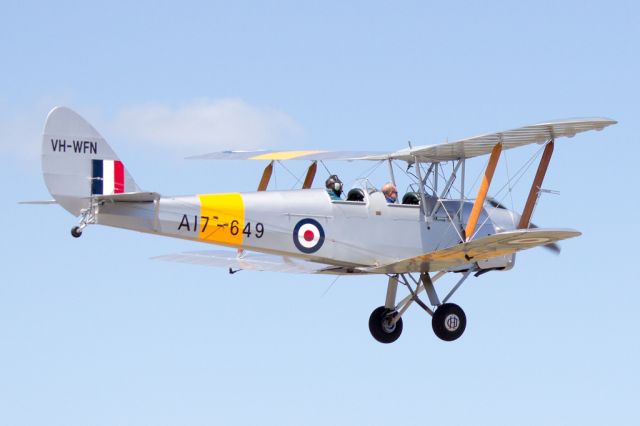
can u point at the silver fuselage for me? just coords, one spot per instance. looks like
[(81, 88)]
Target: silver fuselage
[(368, 233)]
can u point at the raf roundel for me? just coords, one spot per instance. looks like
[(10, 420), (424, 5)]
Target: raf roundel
[(308, 235)]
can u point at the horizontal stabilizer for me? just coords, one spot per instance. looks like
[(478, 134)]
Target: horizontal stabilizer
[(249, 260), (129, 197), (501, 244), (38, 202)]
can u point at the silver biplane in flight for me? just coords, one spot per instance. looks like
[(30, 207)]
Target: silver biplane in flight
[(435, 230)]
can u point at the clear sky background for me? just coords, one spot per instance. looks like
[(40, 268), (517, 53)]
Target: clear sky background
[(92, 332)]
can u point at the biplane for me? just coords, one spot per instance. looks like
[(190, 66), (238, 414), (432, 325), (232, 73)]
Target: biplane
[(435, 230)]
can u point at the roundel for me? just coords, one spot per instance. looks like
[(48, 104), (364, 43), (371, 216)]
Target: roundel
[(308, 235)]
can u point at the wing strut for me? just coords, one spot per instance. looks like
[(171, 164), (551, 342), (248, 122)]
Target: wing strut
[(482, 192), (266, 177), (535, 186), (311, 174)]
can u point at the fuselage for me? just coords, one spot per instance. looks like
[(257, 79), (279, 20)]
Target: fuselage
[(308, 224)]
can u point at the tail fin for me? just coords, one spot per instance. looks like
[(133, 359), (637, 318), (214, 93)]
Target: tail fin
[(77, 163)]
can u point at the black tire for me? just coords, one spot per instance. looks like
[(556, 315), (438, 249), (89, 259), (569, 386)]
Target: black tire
[(76, 232), (449, 322), (380, 327)]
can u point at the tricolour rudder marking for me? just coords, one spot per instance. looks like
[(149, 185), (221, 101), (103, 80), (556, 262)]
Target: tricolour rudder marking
[(222, 218)]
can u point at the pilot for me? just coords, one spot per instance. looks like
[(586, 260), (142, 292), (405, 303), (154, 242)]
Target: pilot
[(334, 187), (390, 192)]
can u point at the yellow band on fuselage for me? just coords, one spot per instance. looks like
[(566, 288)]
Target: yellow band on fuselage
[(224, 217)]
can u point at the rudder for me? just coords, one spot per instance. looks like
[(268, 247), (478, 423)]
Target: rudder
[(77, 162)]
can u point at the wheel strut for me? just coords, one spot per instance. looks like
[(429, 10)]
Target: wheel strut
[(87, 217), (448, 319)]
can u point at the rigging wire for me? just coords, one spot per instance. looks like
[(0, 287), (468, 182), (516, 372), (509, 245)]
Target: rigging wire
[(513, 205), (330, 286), (373, 168), (325, 167), (522, 172), (291, 173)]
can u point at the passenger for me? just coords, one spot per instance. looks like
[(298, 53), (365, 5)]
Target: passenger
[(334, 187), (390, 192)]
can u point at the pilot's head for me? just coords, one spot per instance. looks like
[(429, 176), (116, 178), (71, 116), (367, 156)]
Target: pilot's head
[(333, 183), (390, 192)]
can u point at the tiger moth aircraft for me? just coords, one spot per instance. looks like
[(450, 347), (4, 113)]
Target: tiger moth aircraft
[(436, 228)]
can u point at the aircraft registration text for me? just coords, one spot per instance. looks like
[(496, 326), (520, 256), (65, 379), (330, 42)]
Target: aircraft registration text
[(78, 147)]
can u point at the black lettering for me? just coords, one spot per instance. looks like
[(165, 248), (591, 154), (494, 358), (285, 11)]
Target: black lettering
[(77, 147), (59, 145), (195, 224), (184, 222), (247, 229), (83, 147), (205, 219), (259, 230)]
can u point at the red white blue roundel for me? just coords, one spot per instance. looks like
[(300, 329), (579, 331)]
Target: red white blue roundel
[(308, 235)]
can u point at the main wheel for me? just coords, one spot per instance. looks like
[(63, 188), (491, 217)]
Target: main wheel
[(76, 232), (381, 327), (449, 322)]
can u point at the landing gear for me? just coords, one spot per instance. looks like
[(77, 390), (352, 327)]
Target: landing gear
[(87, 217), (448, 322), (382, 326), (448, 319), (76, 232)]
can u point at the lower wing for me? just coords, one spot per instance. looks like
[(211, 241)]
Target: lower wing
[(251, 261), (473, 251)]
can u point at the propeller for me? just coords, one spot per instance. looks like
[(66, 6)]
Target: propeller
[(553, 247)]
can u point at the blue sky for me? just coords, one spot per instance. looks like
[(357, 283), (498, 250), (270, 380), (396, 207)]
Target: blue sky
[(92, 332)]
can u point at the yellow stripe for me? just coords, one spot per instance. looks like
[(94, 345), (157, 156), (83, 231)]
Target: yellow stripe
[(284, 155), (221, 218)]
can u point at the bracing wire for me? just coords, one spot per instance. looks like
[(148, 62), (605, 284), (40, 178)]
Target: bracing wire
[(521, 173), (291, 173), (373, 168), (506, 165), (330, 286), (325, 167)]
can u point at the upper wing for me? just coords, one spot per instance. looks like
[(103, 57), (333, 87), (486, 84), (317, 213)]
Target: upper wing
[(463, 148), (483, 144), (479, 249), (288, 155), (252, 261)]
